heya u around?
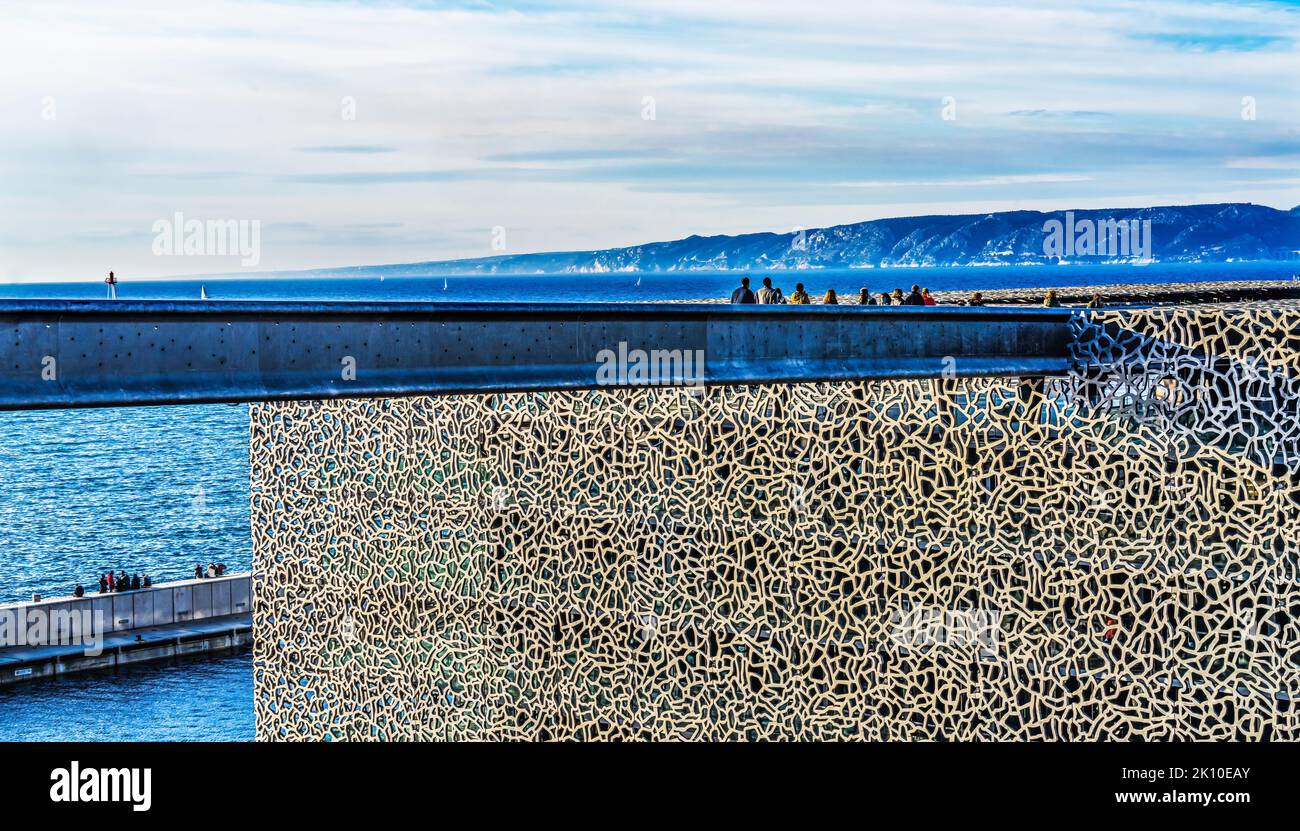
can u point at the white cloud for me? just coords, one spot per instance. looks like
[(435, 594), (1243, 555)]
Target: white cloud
[(763, 109)]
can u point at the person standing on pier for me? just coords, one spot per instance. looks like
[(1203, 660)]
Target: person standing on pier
[(112, 286)]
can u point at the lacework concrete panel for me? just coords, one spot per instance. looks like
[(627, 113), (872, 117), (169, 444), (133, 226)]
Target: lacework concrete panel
[(1110, 555)]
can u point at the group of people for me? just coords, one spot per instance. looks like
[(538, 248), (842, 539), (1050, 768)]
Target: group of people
[(120, 582), (772, 295), (1051, 302), (213, 570)]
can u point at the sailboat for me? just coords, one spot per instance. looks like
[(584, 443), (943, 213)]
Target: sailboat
[(638, 279), (444, 283), (203, 292)]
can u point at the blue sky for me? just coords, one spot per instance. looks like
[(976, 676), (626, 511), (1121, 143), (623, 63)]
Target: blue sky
[(534, 118)]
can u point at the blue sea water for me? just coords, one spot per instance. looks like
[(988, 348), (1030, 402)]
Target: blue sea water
[(636, 287), (157, 489)]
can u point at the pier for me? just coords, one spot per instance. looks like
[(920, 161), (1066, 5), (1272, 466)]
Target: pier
[(62, 635)]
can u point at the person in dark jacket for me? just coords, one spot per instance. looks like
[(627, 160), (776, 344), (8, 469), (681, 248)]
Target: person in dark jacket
[(1095, 302), (914, 298), (79, 591), (135, 582), (123, 582), (743, 294), (198, 571), (865, 298), (103, 584), (884, 299), (146, 582)]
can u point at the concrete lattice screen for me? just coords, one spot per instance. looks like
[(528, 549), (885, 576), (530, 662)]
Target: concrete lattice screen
[(768, 562)]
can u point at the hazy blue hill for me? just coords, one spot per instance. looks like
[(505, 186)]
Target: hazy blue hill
[(1186, 233)]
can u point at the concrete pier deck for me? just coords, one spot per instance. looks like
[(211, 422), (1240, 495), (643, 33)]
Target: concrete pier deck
[(63, 635)]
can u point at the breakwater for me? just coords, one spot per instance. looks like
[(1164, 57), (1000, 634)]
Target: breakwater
[(74, 634)]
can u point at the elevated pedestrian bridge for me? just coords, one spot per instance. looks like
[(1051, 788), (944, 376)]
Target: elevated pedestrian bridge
[(117, 353)]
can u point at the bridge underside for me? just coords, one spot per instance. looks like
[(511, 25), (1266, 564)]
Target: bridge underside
[(1109, 556)]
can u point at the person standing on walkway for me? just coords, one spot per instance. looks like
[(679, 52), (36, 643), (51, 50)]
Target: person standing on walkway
[(743, 294)]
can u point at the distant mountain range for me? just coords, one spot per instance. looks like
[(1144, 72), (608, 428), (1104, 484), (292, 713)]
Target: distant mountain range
[(1188, 233)]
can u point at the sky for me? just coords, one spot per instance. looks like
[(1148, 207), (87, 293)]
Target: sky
[(385, 132)]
